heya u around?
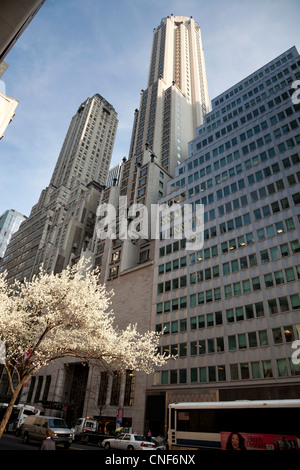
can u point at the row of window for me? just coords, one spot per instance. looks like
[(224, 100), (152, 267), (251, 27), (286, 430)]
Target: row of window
[(282, 276), (255, 78), (242, 371), (224, 160), (262, 157), (252, 339), (205, 274), (111, 389), (238, 185), (230, 290), (287, 162), (241, 184), (263, 96), (248, 117), (246, 312), (213, 319), (245, 262), (241, 221), (229, 246)]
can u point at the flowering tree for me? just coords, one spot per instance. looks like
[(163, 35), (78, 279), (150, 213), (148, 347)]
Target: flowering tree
[(65, 315)]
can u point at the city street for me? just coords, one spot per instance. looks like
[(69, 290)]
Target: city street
[(11, 442)]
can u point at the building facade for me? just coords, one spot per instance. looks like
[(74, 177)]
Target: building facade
[(57, 232), (230, 310), (9, 223), (62, 221), (114, 175), (172, 106), (176, 98), (14, 19)]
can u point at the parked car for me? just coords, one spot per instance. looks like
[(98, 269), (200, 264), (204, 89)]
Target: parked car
[(128, 441), (35, 428)]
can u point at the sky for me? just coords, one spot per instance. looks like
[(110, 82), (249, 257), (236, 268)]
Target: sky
[(73, 49)]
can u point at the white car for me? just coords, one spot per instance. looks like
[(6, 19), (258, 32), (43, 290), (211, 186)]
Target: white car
[(127, 441)]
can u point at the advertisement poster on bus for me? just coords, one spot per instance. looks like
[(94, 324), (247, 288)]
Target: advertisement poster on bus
[(251, 441)]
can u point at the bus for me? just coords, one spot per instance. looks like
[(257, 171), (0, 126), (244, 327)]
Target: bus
[(247, 424), (18, 416)]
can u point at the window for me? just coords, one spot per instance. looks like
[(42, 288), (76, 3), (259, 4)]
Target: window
[(296, 198), (113, 272), (249, 311), (164, 377), (295, 246), (274, 252), (282, 368), (237, 288), (277, 336), (289, 274), (230, 315), (289, 224), (256, 283), (252, 340), (242, 341), (267, 369), (255, 368), (234, 372), (259, 309), (220, 344), (228, 291), (264, 255), (263, 338), (279, 277), (272, 306), (103, 388), (246, 287), (268, 280), (295, 301), (182, 349), (284, 304), (232, 343), (284, 249)]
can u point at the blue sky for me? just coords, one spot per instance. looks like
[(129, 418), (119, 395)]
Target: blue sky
[(73, 49)]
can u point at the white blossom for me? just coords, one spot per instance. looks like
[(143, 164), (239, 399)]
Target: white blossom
[(67, 314)]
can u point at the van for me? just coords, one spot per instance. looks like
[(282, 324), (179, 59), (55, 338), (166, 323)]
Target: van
[(35, 428), (18, 415)]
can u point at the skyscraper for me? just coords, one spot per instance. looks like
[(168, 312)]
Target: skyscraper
[(9, 223), (63, 219), (176, 98), (230, 310), (87, 148), (171, 107)]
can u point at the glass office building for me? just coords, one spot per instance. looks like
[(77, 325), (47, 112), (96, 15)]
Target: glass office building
[(231, 310), (10, 222)]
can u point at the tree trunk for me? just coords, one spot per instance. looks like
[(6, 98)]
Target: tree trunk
[(10, 408)]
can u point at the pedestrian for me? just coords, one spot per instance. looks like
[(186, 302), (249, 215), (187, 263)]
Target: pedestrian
[(48, 443), (149, 435)]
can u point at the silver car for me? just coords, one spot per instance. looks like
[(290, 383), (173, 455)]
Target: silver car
[(128, 441)]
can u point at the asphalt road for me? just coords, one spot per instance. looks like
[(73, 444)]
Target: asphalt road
[(11, 442)]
